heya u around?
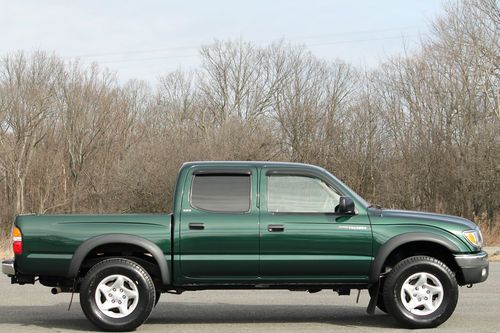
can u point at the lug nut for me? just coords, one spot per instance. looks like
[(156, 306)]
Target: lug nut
[(119, 302), (419, 299), (428, 291), (426, 298), (112, 301), (121, 290), (114, 289), (124, 296), (110, 295)]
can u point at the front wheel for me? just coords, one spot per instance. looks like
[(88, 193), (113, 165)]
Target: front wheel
[(421, 292), (157, 297), (117, 295)]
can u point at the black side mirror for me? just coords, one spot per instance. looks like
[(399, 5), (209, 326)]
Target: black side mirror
[(346, 206)]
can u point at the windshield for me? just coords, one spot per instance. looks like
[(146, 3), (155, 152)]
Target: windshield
[(350, 192)]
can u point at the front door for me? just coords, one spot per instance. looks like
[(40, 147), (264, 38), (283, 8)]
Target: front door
[(219, 226), (301, 236)]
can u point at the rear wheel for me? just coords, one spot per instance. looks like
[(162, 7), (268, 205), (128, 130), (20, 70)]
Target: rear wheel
[(117, 295), (421, 292)]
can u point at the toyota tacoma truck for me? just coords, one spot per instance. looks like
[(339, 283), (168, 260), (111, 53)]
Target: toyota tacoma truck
[(252, 225)]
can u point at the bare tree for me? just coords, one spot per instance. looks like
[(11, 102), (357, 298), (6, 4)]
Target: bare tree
[(420, 131), (28, 86), (88, 113)]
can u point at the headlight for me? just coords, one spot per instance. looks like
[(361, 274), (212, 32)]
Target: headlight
[(474, 237)]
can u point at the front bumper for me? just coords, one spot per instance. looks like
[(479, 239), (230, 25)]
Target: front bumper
[(474, 267), (8, 267)]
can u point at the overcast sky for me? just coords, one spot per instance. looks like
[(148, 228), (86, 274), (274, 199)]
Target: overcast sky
[(145, 39)]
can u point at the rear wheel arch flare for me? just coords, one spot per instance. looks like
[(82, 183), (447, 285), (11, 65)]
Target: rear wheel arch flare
[(93, 243)]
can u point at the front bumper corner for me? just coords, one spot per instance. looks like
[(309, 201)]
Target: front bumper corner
[(474, 267)]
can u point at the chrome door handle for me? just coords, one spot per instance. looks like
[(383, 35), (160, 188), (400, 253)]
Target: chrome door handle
[(276, 228), (196, 226)]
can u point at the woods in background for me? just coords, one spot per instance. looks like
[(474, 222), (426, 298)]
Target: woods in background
[(421, 131)]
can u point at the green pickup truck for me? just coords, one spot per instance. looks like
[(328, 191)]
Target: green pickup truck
[(252, 225)]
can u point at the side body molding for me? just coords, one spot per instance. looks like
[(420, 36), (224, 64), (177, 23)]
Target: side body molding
[(389, 246), (90, 244)]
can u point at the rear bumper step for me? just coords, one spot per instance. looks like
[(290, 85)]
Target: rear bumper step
[(8, 267)]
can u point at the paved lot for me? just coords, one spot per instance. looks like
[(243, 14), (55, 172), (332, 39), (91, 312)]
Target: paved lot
[(34, 309)]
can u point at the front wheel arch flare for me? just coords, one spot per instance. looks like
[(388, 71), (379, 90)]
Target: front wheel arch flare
[(86, 247), (395, 242)]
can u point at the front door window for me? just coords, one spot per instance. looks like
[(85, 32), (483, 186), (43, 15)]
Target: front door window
[(300, 194)]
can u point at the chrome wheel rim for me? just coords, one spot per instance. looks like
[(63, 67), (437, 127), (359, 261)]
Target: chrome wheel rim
[(117, 296), (422, 293)]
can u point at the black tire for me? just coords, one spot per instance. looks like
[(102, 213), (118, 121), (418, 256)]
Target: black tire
[(135, 273), (157, 297), (405, 270)]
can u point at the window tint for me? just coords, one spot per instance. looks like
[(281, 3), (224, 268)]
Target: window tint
[(300, 194), (221, 193)]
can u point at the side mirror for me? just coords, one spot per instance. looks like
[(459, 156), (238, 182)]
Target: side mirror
[(346, 205)]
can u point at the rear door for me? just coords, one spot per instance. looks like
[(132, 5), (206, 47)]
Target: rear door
[(302, 238), (219, 226)]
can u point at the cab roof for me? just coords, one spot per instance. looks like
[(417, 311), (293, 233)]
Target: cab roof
[(258, 164)]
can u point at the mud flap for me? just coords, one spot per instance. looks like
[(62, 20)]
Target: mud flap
[(375, 290)]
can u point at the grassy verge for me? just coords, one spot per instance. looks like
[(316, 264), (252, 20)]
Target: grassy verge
[(494, 257)]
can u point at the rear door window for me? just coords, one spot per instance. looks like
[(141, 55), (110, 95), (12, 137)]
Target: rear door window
[(221, 193)]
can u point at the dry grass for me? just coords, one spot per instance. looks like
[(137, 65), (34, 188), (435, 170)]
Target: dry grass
[(5, 250), (490, 231)]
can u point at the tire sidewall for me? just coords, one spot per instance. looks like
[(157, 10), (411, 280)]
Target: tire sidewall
[(441, 314), (134, 272)]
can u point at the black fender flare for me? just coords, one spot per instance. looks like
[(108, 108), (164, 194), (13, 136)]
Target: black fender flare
[(83, 250), (396, 241)]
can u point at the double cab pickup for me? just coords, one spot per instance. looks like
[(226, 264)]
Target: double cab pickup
[(252, 225)]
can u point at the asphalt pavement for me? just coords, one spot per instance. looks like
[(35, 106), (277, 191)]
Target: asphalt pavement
[(34, 309)]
